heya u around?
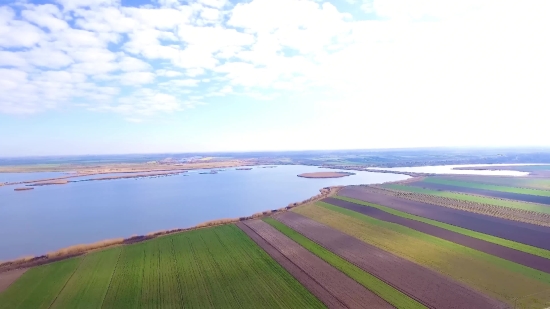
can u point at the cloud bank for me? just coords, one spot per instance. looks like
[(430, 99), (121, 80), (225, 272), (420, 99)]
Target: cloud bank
[(445, 58)]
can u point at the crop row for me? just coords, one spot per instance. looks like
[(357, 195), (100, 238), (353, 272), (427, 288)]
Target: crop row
[(207, 268), (494, 276), (520, 205), (520, 215), (484, 186)]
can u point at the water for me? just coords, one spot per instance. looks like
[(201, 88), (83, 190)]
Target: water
[(52, 217), (448, 169)]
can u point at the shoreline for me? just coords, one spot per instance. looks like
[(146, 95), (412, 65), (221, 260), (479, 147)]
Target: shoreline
[(82, 249)]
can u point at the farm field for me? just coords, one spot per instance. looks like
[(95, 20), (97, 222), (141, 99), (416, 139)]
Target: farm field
[(532, 207), (350, 293), (521, 215), (414, 280), (390, 294), (545, 200), (517, 256), (528, 234), (496, 277), (223, 267), (521, 182), (483, 186)]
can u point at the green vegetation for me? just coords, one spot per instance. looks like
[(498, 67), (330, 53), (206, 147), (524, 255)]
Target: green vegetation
[(218, 267), (477, 185), (39, 286), (89, 283), (495, 276), (471, 198), (489, 238), (391, 295)]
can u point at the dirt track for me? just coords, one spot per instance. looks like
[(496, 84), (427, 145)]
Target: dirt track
[(428, 287), (529, 234), (520, 257), (332, 287), (507, 195), (7, 278)]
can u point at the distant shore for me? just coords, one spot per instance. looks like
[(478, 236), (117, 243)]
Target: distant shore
[(326, 175)]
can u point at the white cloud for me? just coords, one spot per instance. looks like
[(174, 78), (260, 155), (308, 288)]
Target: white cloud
[(485, 55), (137, 78)]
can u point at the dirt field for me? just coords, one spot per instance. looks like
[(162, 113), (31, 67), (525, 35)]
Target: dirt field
[(498, 194), (516, 214), (528, 234), (324, 175), (314, 287), (349, 293), (7, 278), (420, 283), (520, 257)]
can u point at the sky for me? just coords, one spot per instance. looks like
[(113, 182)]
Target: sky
[(139, 76)]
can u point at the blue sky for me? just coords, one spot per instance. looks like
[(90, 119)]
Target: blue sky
[(111, 76)]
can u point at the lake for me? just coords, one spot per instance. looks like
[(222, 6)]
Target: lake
[(448, 169), (49, 218)]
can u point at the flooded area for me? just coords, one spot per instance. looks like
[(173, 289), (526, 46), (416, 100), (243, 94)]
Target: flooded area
[(449, 169), (56, 216)]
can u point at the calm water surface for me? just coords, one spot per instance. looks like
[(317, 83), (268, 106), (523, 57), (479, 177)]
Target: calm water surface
[(52, 217), (448, 169)]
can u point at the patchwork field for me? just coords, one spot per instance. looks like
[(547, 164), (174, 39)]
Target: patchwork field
[(412, 246), (215, 267), (477, 199), (521, 182)]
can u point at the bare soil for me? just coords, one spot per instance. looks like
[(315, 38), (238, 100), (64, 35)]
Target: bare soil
[(498, 194), (426, 286), (529, 234), (325, 175), (349, 293), (520, 257), (521, 215), (7, 278)]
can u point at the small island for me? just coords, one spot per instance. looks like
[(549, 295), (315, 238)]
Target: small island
[(243, 169), (325, 175), (23, 189)]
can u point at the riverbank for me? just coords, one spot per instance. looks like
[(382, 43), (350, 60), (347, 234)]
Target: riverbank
[(77, 250), (133, 171)]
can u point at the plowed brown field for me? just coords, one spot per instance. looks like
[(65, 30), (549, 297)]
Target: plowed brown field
[(428, 287), (520, 257), (529, 234), (9, 277), (521, 215), (349, 293)]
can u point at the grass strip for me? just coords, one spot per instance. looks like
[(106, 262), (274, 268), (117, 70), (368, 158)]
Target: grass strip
[(471, 198), (486, 273), (377, 286), (484, 186), (489, 238)]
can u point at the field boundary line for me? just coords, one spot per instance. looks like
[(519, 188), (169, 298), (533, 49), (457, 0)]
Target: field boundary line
[(111, 278), (284, 256), (479, 235), (389, 284), (66, 282)]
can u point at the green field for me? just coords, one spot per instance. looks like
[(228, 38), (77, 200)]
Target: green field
[(218, 267), (477, 185), (525, 182), (494, 276), (471, 198), (496, 240), (391, 295)]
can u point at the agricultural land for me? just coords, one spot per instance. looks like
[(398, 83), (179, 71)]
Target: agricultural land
[(460, 242)]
